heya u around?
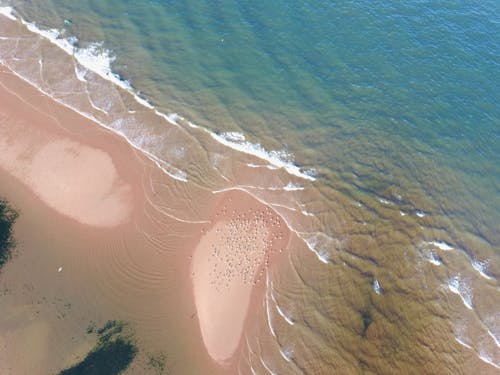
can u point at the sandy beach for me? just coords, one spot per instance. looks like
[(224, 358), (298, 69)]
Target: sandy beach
[(128, 240)]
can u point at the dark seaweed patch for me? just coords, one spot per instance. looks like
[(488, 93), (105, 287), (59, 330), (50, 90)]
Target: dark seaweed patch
[(7, 218), (90, 328), (158, 365), (367, 320), (112, 355)]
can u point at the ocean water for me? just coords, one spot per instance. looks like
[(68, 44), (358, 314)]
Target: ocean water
[(376, 124)]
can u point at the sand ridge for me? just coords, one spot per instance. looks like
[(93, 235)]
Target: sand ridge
[(228, 262)]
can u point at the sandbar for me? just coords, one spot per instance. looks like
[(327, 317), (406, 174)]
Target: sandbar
[(228, 263)]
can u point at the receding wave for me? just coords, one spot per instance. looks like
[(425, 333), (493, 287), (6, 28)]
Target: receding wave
[(98, 59)]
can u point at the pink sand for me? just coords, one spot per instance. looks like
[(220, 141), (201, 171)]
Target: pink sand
[(75, 179), (228, 262)]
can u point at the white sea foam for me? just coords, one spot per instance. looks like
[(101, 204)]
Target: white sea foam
[(8, 12), (292, 187), (144, 102), (420, 213), (463, 343), (322, 256), (51, 34), (280, 159), (268, 311), (268, 166), (441, 245), (281, 312), (289, 187), (385, 201), (318, 243), (481, 267), (461, 287), (485, 357), (98, 59), (286, 317), (96, 107), (94, 57), (80, 73), (433, 259), (286, 354), (497, 342), (171, 118), (173, 172), (266, 366), (376, 287), (283, 206), (233, 137)]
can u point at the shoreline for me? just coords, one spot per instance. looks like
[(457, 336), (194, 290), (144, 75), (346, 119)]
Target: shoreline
[(233, 140), (132, 263), (40, 132), (237, 247)]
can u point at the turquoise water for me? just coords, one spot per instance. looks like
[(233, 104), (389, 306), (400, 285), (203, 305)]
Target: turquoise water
[(391, 104), (313, 76)]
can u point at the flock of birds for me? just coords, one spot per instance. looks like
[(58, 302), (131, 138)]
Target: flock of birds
[(244, 242)]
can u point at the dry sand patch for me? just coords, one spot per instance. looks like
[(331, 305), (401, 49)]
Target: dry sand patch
[(80, 182), (228, 263), (74, 179)]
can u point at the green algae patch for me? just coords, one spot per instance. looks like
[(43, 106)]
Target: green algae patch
[(7, 218), (157, 365), (111, 356)]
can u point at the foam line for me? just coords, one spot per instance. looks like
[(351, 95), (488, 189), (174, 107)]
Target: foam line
[(497, 342), (460, 287), (481, 268), (177, 175), (267, 367), (7, 12), (98, 59), (283, 354), (376, 287), (441, 245), (268, 312), (280, 311), (237, 142), (463, 343), (485, 358)]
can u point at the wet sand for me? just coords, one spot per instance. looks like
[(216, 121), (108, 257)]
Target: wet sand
[(76, 180), (104, 234), (231, 258)]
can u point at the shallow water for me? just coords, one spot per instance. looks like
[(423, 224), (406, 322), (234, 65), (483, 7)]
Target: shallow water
[(392, 106)]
